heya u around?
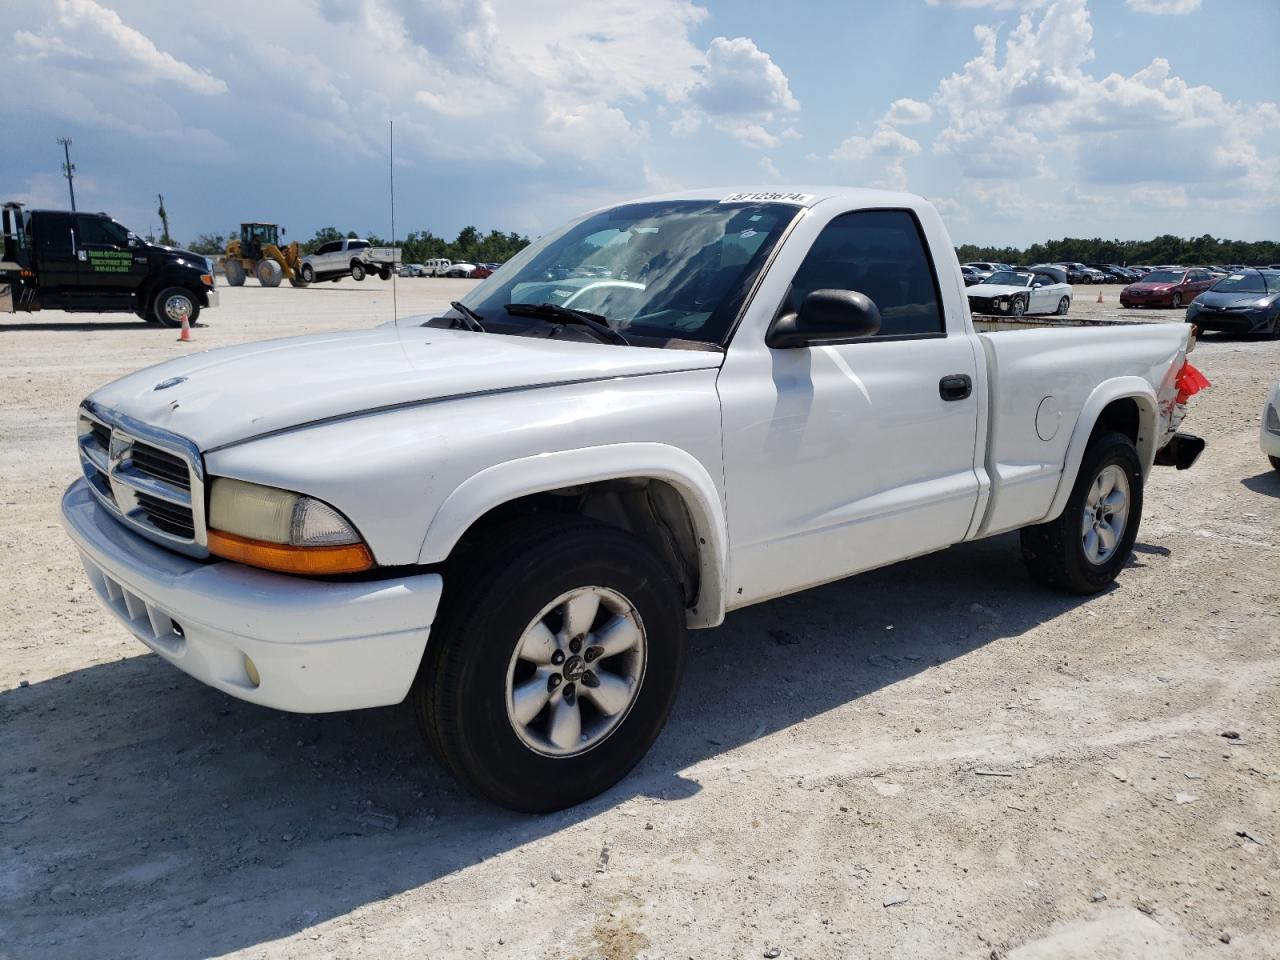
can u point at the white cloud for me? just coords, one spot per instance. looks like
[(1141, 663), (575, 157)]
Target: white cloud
[(1033, 109), (906, 111), (770, 168), (880, 155), (1176, 7), (87, 38), (740, 91)]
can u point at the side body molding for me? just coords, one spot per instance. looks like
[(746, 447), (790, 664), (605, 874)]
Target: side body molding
[(550, 471), (1119, 388)]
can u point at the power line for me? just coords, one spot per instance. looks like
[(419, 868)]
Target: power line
[(68, 168)]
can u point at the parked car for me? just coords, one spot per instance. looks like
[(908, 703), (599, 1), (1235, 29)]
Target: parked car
[(983, 269), (436, 268), (971, 275), (457, 270), (1014, 293), (1166, 287), (1270, 430), (1076, 272), (512, 514), (1112, 273), (412, 270), (1244, 302), (482, 271), (352, 258)]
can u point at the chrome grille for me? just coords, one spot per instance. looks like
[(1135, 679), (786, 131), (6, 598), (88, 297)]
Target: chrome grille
[(152, 480)]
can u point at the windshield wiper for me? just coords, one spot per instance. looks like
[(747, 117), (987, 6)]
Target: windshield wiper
[(553, 311), (470, 319)]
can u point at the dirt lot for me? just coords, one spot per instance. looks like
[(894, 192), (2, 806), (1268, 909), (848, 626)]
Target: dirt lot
[(829, 755)]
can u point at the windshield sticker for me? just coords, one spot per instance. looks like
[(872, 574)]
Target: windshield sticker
[(1236, 276), (801, 199), (747, 233)]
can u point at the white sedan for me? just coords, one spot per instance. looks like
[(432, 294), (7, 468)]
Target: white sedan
[(1270, 438), (1014, 293)]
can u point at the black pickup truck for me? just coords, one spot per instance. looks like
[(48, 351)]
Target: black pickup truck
[(89, 263)]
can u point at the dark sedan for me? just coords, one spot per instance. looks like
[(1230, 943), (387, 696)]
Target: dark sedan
[(1167, 288), (1247, 301)]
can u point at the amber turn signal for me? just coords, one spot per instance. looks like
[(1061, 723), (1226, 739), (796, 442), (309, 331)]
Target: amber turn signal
[(313, 561)]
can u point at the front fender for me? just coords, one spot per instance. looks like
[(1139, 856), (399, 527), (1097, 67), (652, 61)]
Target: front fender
[(1120, 388), (513, 479)]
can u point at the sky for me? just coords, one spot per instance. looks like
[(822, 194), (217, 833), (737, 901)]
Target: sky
[(1023, 120)]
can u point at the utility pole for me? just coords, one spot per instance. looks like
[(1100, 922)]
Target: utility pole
[(164, 219), (68, 168)]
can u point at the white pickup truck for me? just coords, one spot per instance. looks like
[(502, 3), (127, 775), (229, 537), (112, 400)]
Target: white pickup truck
[(352, 258), (511, 514)]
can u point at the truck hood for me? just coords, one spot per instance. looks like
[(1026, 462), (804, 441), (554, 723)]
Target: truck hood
[(232, 394)]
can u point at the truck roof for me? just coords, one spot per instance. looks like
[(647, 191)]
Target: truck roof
[(800, 195)]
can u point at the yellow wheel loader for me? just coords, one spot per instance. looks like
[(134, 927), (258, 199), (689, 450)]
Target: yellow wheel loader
[(257, 251)]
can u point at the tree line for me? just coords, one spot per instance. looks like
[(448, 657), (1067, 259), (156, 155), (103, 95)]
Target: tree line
[(470, 245), (1206, 249)]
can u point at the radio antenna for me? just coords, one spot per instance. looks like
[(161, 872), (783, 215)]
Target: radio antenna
[(395, 313)]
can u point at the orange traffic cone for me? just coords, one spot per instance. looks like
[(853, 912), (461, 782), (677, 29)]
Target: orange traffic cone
[(185, 336), (1099, 294)]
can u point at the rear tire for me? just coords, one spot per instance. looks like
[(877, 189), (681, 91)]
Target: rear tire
[(479, 696), (308, 273), (1063, 306), (235, 273), (1275, 463), (1059, 553), (171, 303), (384, 274), (1176, 302)]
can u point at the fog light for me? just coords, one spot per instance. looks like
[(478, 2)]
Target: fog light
[(252, 670)]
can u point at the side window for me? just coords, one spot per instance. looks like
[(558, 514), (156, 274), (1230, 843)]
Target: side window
[(329, 247), (881, 254), (94, 231), (358, 245), (55, 235)]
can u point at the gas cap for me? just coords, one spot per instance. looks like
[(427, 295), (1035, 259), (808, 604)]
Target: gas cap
[(1048, 418)]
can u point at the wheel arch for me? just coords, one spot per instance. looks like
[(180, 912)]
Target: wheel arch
[(661, 493), (1127, 405)]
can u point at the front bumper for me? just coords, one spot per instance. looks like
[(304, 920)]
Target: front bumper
[(318, 646), (1269, 434), (1231, 321)]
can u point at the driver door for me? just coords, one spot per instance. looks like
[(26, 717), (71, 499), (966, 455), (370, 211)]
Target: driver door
[(848, 456), (109, 262)]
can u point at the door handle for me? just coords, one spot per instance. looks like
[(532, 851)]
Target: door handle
[(957, 386)]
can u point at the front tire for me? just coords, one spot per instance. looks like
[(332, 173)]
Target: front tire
[(1176, 302), (269, 273), (172, 303), (1019, 307), (1084, 549), (357, 271), (553, 664), (1275, 463)]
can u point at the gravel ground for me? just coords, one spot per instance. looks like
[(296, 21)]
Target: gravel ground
[(938, 759)]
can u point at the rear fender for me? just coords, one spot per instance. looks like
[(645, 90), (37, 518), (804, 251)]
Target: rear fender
[(1121, 388), (552, 471)]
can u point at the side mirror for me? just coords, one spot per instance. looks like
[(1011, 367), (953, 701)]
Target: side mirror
[(826, 316)]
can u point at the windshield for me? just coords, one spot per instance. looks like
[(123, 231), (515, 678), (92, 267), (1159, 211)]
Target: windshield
[(1252, 282), (1009, 279), (675, 269), (1162, 276)]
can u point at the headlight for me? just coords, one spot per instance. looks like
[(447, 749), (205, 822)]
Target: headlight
[(1272, 420), (279, 530)]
